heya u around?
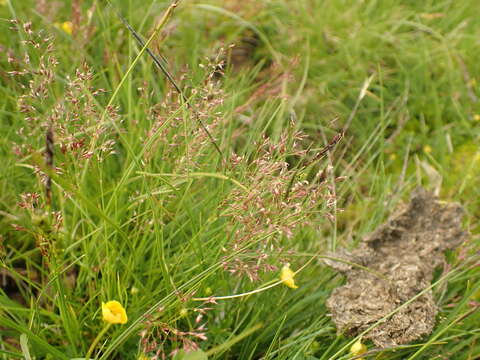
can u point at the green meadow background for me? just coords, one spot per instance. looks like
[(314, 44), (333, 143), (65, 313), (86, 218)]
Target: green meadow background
[(147, 209)]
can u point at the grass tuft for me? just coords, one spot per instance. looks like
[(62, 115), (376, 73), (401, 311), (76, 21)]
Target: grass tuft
[(274, 132)]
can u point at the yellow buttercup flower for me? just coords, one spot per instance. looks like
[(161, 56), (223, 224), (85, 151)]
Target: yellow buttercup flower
[(114, 313), (66, 26), (286, 275), (358, 349)]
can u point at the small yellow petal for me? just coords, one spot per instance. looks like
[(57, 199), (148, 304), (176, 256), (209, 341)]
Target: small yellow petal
[(427, 149), (358, 348), (476, 117), (286, 275), (114, 313), (66, 26)]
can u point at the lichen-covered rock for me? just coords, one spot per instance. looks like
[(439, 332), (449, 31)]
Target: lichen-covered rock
[(396, 264)]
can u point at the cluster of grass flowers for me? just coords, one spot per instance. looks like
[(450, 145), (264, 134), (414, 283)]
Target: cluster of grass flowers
[(187, 205), (82, 135)]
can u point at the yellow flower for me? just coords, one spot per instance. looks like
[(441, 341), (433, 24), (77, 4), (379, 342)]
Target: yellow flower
[(358, 349), (286, 275), (476, 117), (427, 149), (3, 2), (66, 26), (114, 313)]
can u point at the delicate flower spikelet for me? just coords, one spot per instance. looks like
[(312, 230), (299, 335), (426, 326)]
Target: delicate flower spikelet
[(286, 275), (358, 349), (114, 313), (66, 26)]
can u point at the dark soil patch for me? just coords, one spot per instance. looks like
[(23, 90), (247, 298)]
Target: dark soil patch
[(402, 255)]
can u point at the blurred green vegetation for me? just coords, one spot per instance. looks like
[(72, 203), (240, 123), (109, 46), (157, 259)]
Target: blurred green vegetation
[(400, 77)]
